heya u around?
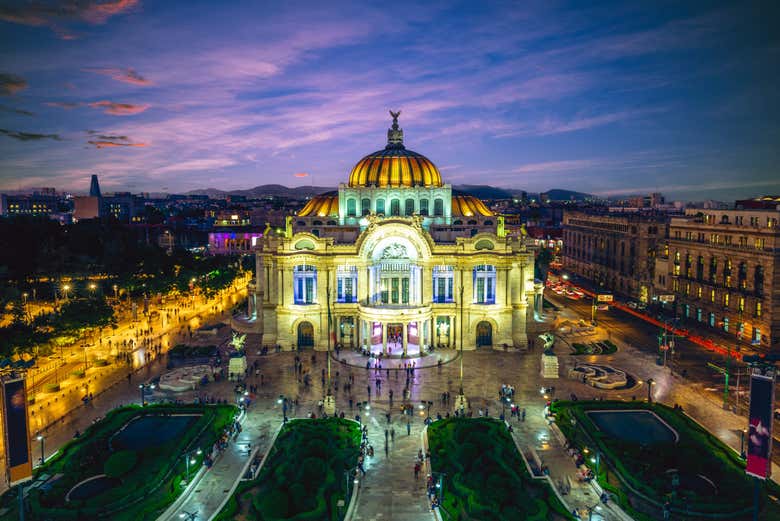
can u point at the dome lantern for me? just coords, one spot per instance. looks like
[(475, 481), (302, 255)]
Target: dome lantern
[(395, 165)]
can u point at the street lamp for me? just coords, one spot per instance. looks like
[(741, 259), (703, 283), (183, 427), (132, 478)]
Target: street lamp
[(283, 402), (742, 443), (189, 460), (92, 287), (116, 292), (65, 289), (43, 454), (650, 384), (143, 388)]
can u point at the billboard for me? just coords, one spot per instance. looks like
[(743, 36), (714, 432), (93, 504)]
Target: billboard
[(17, 435), (760, 426)]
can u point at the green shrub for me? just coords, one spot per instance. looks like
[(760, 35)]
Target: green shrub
[(120, 463), (51, 387), (100, 362), (79, 373)]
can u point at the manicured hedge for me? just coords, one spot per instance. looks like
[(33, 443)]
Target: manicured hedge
[(485, 475), (644, 467), (148, 486), (305, 487)]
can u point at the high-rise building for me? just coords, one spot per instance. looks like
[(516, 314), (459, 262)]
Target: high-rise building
[(94, 186)]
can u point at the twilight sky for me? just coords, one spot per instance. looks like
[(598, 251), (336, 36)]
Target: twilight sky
[(616, 97)]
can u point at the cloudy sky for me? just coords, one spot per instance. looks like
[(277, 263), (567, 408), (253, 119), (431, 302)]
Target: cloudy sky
[(607, 98)]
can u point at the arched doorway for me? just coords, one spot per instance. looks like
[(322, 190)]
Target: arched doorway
[(305, 335), (484, 334)]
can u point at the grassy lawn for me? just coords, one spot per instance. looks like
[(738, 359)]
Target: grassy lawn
[(605, 347), (646, 467), (304, 475), (485, 477), (147, 476)]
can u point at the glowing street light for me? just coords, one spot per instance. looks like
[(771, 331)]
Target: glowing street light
[(43, 454), (65, 289), (650, 384)]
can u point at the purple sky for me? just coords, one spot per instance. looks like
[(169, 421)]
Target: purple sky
[(678, 97)]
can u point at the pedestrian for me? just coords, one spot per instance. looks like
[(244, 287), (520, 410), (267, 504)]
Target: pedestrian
[(408, 428), (387, 434), (522, 414), (417, 470)]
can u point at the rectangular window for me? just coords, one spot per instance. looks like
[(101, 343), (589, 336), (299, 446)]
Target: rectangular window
[(698, 314), (394, 290), (741, 304), (712, 295), (405, 290), (442, 284), (758, 308)]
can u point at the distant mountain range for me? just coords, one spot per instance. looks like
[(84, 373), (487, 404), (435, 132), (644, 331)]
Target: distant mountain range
[(300, 192)]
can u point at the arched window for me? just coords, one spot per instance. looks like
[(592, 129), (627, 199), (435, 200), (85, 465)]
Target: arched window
[(351, 208), (317, 223), (457, 222), (380, 206), (472, 222), (423, 206), (395, 207), (409, 207), (365, 206), (488, 223), (304, 284), (485, 284), (438, 207)]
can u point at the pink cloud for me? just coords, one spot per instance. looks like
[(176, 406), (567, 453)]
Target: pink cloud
[(110, 144), (123, 75), (119, 109)]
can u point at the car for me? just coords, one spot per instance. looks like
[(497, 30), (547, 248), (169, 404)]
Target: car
[(631, 304)]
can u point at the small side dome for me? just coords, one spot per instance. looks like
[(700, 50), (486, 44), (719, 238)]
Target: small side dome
[(323, 205), (468, 206)]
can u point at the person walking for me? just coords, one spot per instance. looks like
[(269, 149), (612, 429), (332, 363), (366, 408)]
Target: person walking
[(408, 428), (417, 470), (522, 415), (392, 434)]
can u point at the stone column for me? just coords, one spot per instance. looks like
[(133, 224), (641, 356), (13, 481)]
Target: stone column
[(384, 336), (362, 285), (427, 285), (404, 338), (256, 300)]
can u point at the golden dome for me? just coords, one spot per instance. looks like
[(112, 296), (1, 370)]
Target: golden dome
[(468, 206), (323, 205), (395, 165)]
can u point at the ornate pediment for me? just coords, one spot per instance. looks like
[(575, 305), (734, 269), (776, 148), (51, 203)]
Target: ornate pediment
[(395, 251)]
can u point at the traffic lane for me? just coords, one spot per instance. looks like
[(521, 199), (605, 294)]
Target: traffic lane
[(629, 329)]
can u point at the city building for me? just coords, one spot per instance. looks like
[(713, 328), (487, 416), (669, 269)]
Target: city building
[(39, 203), (394, 262), (613, 250), (722, 268)]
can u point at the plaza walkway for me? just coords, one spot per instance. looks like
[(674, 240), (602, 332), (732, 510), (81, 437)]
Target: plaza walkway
[(390, 490), (356, 359)]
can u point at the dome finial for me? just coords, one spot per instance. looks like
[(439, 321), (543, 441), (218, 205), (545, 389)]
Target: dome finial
[(395, 134)]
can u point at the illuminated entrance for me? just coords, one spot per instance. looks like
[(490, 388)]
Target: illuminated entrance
[(305, 335), (484, 334), (396, 339)]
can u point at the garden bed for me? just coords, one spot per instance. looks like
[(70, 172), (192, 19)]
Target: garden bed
[(604, 347), (484, 474), (141, 479), (308, 486), (682, 469)]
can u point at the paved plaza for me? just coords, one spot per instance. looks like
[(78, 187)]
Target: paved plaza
[(389, 490)]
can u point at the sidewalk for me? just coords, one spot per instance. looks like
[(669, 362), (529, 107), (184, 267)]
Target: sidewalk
[(389, 491), (207, 495)]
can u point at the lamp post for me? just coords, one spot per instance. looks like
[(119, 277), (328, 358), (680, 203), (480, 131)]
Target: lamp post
[(142, 388), (742, 443), (283, 402), (24, 305), (92, 287), (189, 460), (42, 440), (116, 292), (65, 289), (650, 384)]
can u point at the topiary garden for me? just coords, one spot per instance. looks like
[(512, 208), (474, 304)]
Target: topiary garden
[(484, 474), (303, 477), (122, 479)]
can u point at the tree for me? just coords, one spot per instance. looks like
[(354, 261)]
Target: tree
[(543, 259)]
